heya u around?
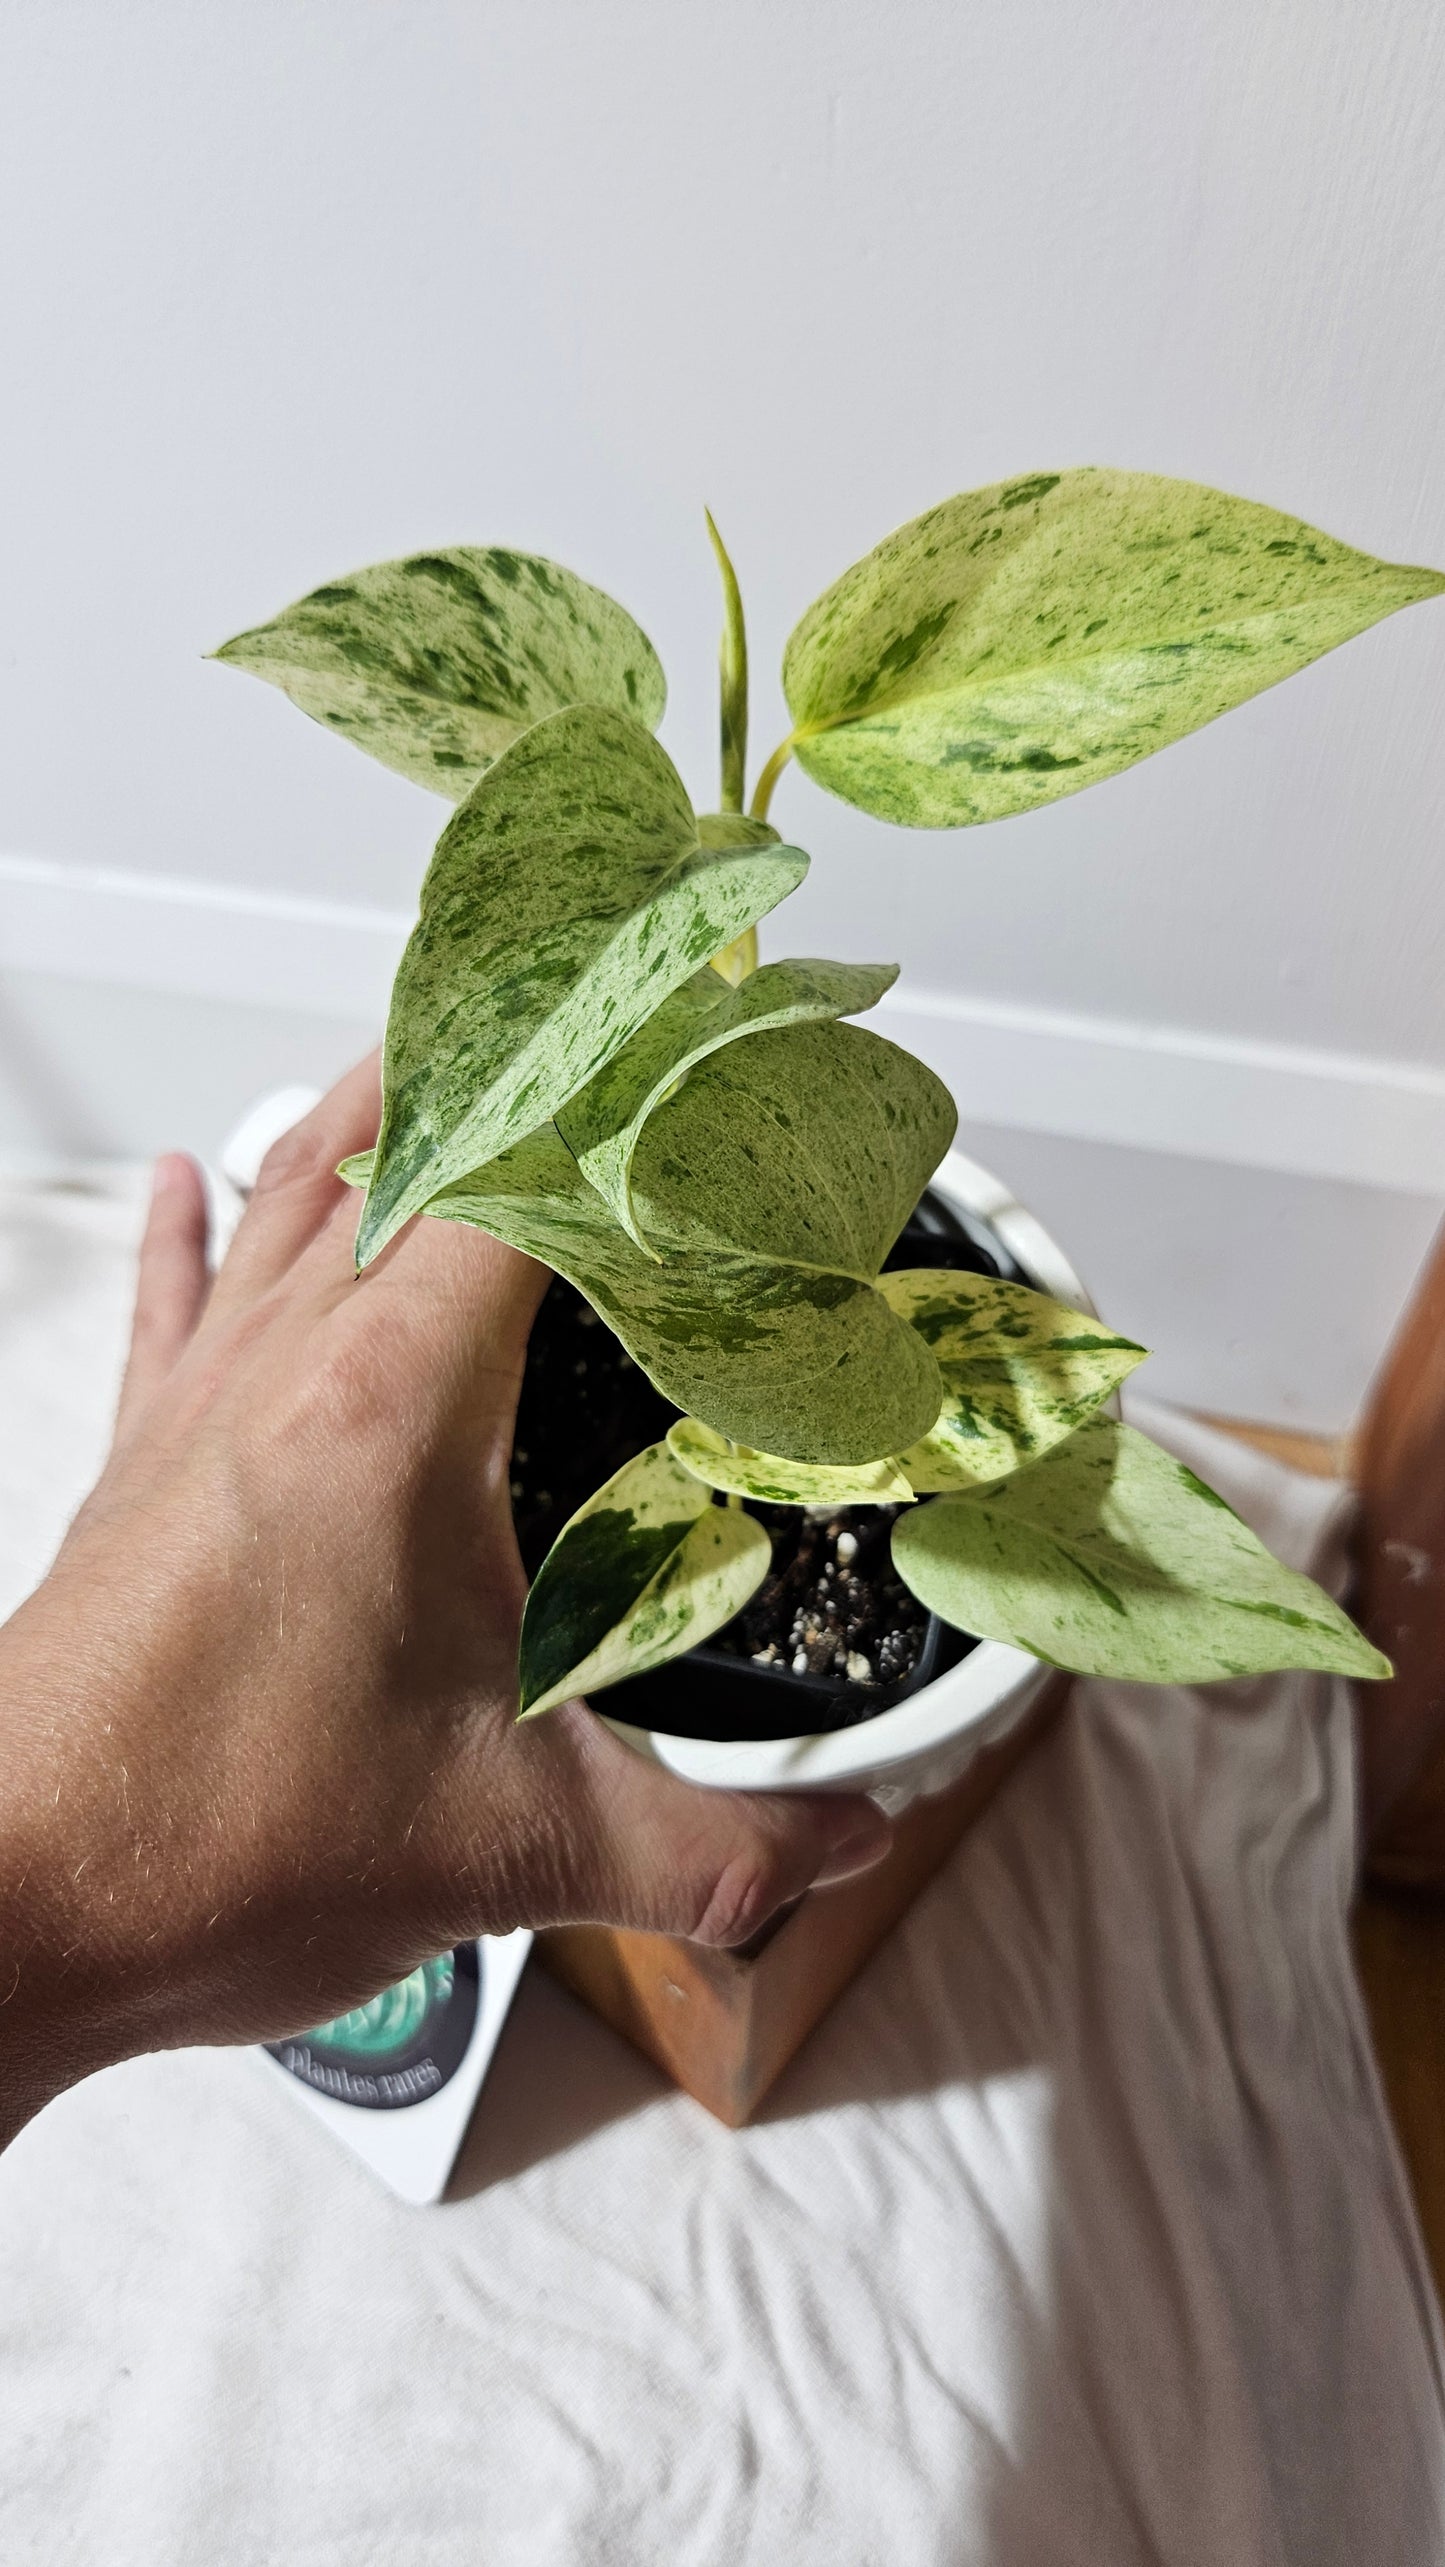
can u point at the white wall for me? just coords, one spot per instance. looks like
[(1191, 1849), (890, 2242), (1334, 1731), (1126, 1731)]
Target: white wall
[(298, 283)]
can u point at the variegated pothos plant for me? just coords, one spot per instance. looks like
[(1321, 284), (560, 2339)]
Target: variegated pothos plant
[(584, 1057)]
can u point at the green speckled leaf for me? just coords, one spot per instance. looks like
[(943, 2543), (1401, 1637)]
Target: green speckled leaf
[(773, 1184), (1020, 642), (770, 1353), (646, 1569), (1109, 1557), (436, 663), (568, 896), (1020, 1372), (602, 1125), (722, 1465), (811, 1143), (734, 829)]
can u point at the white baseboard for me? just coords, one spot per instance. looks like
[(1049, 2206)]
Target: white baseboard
[(1196, 1096), (1367, 1122), (260, 949), (1255, 1213)]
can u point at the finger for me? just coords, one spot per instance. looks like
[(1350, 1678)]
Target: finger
[(297, 1191), (647, 1851), (170, 1284)]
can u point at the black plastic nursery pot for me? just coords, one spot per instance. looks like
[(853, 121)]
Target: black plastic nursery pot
[(832, 1636)]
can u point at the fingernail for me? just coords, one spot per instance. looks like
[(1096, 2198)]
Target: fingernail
[(862, 1843), (168, 1173)]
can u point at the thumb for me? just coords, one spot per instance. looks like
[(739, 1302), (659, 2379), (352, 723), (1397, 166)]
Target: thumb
[(649, 1851)]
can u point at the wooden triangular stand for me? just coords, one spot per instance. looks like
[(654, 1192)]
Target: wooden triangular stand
[(723, 2025), (1401, 1477)]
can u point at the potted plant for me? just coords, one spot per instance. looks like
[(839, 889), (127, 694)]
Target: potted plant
[(846, 1443)]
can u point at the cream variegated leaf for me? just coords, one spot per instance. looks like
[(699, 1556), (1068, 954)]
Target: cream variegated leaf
[(731, 829), (434, 664), (645, 1570), (812, 1142), (1020, 1372), (604, 1122), (1020, 642), (1108, 1556), (774, 1183), (744, 1473), (569, 895)]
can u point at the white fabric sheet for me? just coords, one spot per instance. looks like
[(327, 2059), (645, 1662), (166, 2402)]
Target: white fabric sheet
[(1077, 2234)]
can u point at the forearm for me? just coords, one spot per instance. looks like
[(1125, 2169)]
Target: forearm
[(186, 1853), (62, 2007), (160, 1839)]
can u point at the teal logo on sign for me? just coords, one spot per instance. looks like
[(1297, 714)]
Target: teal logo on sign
[(399, 2048)]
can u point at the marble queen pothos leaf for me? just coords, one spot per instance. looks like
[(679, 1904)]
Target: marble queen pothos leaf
[(434, 664), (646, 1569), (603, 1124), (773, 1184), (734, 1467), (811, 1143), (571, 892), (1020, 642), (1110, 1557), (1020, 1372)]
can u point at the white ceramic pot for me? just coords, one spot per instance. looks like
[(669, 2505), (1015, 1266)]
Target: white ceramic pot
[(924, 1743)]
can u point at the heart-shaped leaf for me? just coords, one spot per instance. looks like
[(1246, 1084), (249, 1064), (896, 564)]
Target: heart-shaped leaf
[(811, 1143), (1020, 1372), (1020, 642), (567, 897), (721, 1465), (645, 1570), (773, 1204), (1109, 1557), (769, 1352), (436, 663), (603, 1124)]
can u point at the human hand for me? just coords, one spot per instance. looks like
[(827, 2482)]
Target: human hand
[(258, 1722)]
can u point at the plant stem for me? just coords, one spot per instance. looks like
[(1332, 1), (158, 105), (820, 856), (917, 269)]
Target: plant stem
[(738, 959), (763, 790), (733, 677)]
